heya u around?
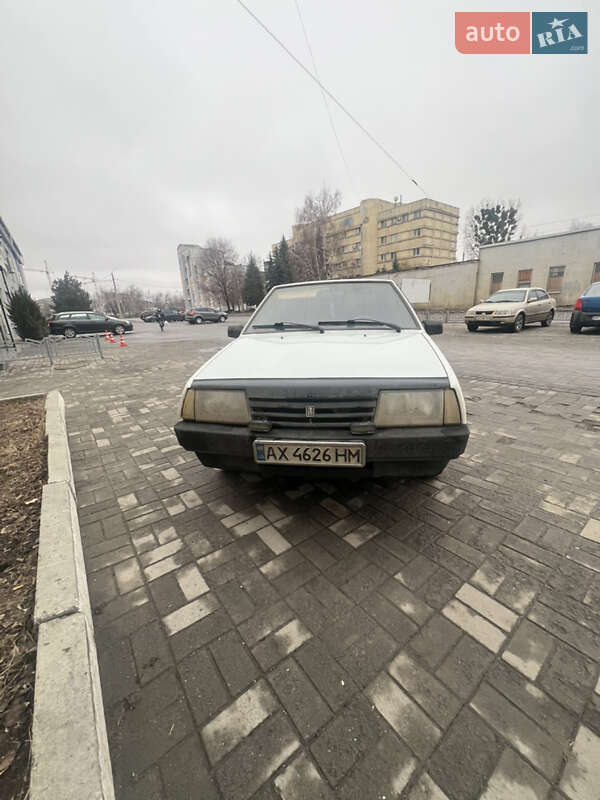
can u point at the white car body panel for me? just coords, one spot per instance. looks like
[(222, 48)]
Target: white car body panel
[(331, 355), (334, 354)]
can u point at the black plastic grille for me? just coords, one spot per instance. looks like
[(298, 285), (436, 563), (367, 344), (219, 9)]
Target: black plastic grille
[(305, 413)]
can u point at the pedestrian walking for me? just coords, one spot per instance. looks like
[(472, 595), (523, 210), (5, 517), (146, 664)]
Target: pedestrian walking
[(160, 318)]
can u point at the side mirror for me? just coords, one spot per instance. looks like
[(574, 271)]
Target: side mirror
[(233, 331), (433, 328)]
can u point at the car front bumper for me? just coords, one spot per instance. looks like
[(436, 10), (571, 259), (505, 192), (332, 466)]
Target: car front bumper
[(586, 319), (230, 447), (491, 322)]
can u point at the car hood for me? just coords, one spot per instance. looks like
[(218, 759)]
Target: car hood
[(333, 354), (496, 307)]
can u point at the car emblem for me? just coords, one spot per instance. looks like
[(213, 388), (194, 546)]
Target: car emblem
[(309, 411)]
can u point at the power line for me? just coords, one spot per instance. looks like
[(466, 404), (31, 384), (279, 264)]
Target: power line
[(332, 97), (323, 95)]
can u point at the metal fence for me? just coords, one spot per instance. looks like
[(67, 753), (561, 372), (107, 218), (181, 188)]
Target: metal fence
[(445, 315), (51, 351)]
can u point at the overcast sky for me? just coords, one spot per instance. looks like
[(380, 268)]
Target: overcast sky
[(130, 126)]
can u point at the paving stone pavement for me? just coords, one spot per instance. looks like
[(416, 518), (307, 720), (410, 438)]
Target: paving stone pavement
[(387, 639)]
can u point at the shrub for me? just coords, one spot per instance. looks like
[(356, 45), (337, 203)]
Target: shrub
[(26, 316)]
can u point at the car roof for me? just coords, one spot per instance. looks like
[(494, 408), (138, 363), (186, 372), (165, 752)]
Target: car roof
[(337, 281)]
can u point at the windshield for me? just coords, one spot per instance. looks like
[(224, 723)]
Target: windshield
[(320, 303), (510, 296)]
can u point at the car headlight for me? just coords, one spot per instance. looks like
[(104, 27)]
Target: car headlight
[(503, 313), (224, 407), (410, 409)]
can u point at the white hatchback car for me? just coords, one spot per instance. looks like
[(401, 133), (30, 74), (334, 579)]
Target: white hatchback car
[(329, 378)]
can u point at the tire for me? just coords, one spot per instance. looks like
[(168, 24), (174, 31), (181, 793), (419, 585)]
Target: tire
[(119, 329), (198, 321), (222, 318), (518, 324), (548, 320), (69, 333), (472, 327), (575, 327)]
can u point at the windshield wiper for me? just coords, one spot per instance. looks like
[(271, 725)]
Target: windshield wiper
[(281, 326), (359, 321)]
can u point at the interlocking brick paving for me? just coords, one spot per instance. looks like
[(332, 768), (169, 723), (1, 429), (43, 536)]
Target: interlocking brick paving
[(272, 639)]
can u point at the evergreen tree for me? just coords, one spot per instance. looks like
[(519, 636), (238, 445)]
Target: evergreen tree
[(269, 270), (254, 290), (285, 268), (279, 268), (26, 316), (69, 295)]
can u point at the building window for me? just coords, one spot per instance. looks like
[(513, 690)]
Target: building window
[(524, 278), (555, 279), (404, 218), (383, 239), (417, 214), (382, 257), (496, 280), (596, 272), (416, 251), (417, 232)]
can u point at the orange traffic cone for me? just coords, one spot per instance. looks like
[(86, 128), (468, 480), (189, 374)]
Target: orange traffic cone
[(106, 336), (111, 338), (122, 342)]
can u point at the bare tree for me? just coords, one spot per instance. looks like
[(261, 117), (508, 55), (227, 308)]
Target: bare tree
[(309, 255), (219, 270), (490, 223), (133, 300)]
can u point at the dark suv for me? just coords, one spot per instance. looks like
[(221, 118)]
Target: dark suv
[(199, 315), (70, 323)]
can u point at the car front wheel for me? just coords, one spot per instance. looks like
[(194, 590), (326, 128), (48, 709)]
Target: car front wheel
[(222, 318), (548, 320), (119, 329), (198, 321), (70, 333), (472, 327), (518, 324)]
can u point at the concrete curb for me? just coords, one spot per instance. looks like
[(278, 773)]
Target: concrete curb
[(69, 748)]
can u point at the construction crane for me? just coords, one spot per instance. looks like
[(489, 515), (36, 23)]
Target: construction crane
[(47, 273)]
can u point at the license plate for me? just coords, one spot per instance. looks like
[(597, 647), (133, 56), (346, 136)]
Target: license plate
[(309, 454)]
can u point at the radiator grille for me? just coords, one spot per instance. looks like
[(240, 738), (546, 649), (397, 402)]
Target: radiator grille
[(321, 413)]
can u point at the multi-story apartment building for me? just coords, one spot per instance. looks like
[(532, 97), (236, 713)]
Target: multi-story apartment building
[(191, 259), (374, 235), (12, 277)]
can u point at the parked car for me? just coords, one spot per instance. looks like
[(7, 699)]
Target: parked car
[(337, 376), (199, 315), (70, 323), (586, 311), (171, 315), (512, 308)]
